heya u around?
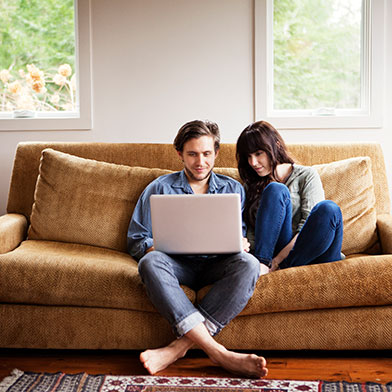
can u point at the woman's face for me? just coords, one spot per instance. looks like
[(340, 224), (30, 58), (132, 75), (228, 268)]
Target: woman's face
[(260, 163)]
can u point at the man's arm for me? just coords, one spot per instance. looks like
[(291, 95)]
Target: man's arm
[(139, 237), (241, 191), (245, 242)]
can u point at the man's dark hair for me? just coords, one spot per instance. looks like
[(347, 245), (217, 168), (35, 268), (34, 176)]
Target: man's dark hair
[(194, 130)]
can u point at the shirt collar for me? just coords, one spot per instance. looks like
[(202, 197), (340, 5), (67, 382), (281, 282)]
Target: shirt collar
[(214, 183), (182, 182)]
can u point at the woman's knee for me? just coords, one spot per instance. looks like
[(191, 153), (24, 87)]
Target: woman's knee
[(276, 190), (328, 210)]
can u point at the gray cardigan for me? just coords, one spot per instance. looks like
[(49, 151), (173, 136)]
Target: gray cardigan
[(306, 191)]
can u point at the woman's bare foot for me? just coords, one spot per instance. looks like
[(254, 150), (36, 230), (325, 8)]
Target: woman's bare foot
[(249, 365), (264, 269), (158, 359)]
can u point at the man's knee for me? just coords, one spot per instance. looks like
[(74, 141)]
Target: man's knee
[(250, 266), (150, 263)]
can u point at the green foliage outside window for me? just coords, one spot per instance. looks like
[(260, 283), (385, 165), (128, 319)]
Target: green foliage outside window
[(37, 55), (317, 54)]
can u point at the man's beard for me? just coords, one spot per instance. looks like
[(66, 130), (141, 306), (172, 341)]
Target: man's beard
[(191, 176)]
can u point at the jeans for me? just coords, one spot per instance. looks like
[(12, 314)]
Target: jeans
[(233, 279), (319, 241)]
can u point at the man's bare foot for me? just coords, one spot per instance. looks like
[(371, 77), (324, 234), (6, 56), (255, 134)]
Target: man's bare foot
[(249, 365), (158, 359)]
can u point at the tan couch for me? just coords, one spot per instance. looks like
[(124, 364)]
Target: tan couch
[(71, 284)]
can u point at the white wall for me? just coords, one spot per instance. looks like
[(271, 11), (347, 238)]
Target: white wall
[(160, 63)]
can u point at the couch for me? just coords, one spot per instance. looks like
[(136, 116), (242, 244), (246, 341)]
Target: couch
[(67, 282)]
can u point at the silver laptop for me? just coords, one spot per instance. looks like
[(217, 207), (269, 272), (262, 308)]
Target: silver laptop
[(197, 224)]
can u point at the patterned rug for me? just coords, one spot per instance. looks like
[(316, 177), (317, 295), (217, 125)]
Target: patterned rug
[(20, 381)]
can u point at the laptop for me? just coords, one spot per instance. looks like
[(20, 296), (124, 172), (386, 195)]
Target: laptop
[(197, 224)]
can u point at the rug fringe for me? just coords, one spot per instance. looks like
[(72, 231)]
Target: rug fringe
[(9, 380)]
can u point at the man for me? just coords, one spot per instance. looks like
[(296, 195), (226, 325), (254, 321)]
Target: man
[(233, 277)]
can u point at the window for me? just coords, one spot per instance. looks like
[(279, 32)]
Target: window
[(319, 64), (45, 76)]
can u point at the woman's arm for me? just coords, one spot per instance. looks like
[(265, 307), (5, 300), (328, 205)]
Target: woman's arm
[(309, 192), (282, 254)]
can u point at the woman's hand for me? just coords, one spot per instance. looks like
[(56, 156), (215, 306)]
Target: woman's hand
[(282, 254), (245, 244), (274, 265)]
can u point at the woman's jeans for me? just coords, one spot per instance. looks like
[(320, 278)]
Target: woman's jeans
[(233, 279), (319, 241)]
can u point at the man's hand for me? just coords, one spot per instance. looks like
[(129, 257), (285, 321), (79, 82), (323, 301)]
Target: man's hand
[(245, 244)]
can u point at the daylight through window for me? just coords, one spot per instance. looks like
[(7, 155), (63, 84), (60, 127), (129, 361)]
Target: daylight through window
[(317, 49), (37, 58), (319, 63)]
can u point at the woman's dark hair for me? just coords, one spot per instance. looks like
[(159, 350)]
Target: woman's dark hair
[(194, 130), (259, 136)]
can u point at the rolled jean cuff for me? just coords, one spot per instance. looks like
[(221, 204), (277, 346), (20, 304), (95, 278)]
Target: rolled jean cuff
[(213, 326), (188, 323)]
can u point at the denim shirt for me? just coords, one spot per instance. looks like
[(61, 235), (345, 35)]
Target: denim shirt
[(139, 237)]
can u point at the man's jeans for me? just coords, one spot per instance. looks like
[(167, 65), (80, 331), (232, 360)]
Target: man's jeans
[(233, 279), (319, 241)]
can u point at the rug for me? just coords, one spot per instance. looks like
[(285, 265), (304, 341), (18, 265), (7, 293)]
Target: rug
[(20, 381)]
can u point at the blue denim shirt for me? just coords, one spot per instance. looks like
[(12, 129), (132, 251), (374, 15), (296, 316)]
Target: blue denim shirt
[(139, 237)]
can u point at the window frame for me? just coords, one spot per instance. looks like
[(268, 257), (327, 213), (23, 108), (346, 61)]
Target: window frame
[(372, 78), (66, 120)]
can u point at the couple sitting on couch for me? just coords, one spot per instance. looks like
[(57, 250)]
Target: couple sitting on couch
[(289, 224)]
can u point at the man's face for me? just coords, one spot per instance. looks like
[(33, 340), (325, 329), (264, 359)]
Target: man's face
[(198, 156)]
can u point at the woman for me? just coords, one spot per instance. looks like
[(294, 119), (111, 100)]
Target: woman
[(289, 221)]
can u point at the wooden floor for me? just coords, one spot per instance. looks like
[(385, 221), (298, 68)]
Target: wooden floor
[(328, 366)]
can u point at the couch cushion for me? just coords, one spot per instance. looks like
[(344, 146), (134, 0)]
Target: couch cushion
[(55, 273), (323, 286), (229, 171), (85, 201), (349, 183)]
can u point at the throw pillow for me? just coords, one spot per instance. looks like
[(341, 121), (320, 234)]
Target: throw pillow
[(85, 201), (349, 183), (228, 171)]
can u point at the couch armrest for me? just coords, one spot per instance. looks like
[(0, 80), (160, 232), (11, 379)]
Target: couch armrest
[(384, 227), (12, 231)]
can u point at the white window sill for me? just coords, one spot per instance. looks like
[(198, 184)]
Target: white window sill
[(357, 121), (46, 121)]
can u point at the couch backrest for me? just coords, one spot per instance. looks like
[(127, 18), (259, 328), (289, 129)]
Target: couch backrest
[(27, 160)]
